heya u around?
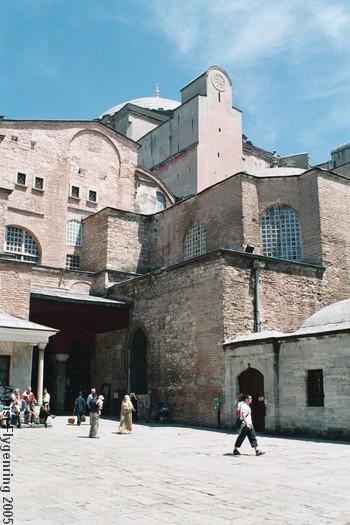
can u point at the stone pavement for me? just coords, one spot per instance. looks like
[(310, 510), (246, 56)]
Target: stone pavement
[(170, 475)]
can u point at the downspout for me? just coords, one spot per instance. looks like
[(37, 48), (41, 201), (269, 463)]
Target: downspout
[(257, 266)]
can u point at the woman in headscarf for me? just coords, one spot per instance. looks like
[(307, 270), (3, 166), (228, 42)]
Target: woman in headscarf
[(127, 408)]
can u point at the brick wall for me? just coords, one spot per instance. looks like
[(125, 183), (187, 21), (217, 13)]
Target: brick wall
[(15, 277), (115, 240), (84, 154), (189, 310)]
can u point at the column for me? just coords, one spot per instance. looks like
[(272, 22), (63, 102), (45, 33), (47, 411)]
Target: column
[(39, 393)]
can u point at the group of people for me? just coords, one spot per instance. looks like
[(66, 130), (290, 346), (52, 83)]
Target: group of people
[(25, 404), (94, 404)]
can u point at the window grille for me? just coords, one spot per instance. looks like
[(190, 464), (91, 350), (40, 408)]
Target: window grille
[(315, 393), (20, 245), (21, 178), (92, 196), (75, 192), (280, 233), (195, 242), (39, 183), (72, 262), (74, 233)]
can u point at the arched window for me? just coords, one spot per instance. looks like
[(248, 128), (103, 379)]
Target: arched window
[(73, 233), (161, 203), (20, 245), (195, 242), (280, 233)]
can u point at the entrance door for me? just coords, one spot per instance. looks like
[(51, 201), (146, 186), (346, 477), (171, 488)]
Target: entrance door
[(251, 381), (77, 373)]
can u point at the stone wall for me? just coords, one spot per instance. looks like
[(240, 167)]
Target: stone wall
[(284, 366), (15, 283), (86, 155), (116, 240), (187, 312)]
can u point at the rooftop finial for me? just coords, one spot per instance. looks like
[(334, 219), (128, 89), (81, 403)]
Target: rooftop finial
[(157, 89)]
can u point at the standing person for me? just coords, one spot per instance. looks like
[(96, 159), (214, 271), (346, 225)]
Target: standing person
[(96, 407), (246, 428), (133, 399), (89, 399), (79, 407), (126, 410), (149, 405), (46, 399)]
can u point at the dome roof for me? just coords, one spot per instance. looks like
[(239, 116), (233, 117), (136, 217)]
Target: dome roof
[(158, 103), (336, 313)]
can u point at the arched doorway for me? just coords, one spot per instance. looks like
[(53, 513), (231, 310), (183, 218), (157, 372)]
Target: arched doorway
[(138, 363), (251, 381), (77, 373)]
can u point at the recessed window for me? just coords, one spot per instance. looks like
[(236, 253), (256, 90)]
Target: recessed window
[(39, 183), (92, 196), (4, 370), (195, 243), (75, 192), (74, 233), (161, 202), (21, 178), (280, 233), (315, 393), (20, 245), (72, 262)]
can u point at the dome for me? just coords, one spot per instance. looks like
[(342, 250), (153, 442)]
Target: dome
[(158, 103), (336, 313)]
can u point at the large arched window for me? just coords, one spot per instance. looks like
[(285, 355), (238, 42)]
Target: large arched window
[(20, 245), (280, 233), (73, 233), (195, 243)]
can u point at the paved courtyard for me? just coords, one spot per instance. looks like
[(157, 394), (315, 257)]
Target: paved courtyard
[(170, 475)]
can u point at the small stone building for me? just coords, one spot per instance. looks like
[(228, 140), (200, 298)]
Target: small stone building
[(300, 381)]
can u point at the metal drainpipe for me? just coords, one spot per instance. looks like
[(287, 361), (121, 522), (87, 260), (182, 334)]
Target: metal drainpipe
[(257, 266)]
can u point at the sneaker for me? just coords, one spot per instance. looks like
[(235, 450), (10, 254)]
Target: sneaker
[(236, 452), (259, 452)]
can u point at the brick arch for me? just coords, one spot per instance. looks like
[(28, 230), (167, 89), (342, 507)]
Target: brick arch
[(90, 144), (251, 381)]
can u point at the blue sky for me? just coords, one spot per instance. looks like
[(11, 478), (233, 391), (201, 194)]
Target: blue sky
[(288, 61)]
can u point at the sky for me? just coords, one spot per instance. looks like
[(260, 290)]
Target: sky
[(289, 61)]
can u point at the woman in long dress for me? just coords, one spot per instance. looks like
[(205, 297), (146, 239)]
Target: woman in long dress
[(127, 408)]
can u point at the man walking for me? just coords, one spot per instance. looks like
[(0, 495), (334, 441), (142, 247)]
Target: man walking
[(79, 407), (246, 428)]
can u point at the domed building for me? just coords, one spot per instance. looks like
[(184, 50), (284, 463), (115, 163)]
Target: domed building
[(302, 378), (135, 118)]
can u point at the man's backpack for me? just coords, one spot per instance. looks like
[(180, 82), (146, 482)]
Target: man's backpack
[(93, 405)]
